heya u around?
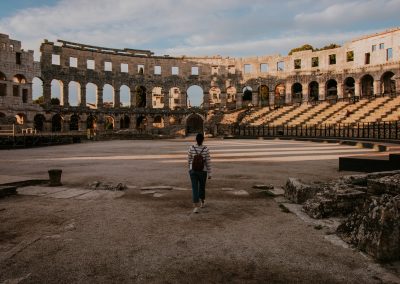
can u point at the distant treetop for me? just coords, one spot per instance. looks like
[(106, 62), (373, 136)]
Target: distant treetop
[(310, 47)]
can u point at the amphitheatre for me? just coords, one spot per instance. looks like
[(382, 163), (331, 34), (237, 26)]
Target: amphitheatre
[(293, 141)]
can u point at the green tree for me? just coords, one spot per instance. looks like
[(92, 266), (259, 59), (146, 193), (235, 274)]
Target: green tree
[(301, 48)]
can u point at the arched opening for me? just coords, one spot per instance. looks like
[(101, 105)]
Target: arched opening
[(74, 122), (175, 99), (247, 96), (91, 95), (388, 83), (141, 123), (195, 95), (20, 118), (367, 86), (38, 122), (263, 93), (279, 99), (37, 90), (297, 93), (91, 122), (140, 96), (109, 122), (124, 122), (3, 76), (108, 96), (56, 92), (2, 115), (125, 96), (74, 91), (157, 97), (194, 124), (331, 90), (19, 78), (215, 97), (56, 123), (313, 89), (349, 86), (231, 97), (158, 121)]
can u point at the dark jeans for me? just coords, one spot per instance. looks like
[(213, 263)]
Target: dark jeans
[(198, 179)]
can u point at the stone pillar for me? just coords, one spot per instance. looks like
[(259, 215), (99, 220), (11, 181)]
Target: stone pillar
[(206, 100), (83, 97), (65, 96), (271, 98), (288, 97), (133, 97), (397, 82), (306, 92), (46, 92), (99, 103), (340, 90), (223, 100), (377, 87), (117, 98), (321, 92), (30, 99), (149, 99), (239, 102), (255, 98), (184, 100), (166, 100), (357, 89)]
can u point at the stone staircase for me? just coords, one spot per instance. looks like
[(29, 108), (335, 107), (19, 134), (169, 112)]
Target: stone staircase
[(362, 112), (389, 112), (310, 113), (320, 117), (290, 115), (274, 114), (340, 116)]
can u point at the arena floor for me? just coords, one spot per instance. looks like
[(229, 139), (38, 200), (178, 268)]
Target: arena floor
[(70, 236)]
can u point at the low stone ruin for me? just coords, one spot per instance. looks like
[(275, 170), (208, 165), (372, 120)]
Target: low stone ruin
[(369, 205), (99, 185)]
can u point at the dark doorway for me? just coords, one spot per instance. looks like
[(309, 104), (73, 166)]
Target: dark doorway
[(125, 122), (74, 122), (38, 121), (56, 123), (194, 124)]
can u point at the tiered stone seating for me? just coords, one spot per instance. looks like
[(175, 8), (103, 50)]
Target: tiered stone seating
[(390, 108), (341, 115), (270, 116), (256, 115), (360, 113), (232, 117), (288, 116), (330, 111), (311, 112)]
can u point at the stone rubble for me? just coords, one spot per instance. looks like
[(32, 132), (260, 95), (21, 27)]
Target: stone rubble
[(99, 185)]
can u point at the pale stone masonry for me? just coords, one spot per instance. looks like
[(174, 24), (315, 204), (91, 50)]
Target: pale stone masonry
[(158, 85)]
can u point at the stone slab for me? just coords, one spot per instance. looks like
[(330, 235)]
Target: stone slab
[(69, 193), (100, 194), (40, 190), (240, 192), (227, 189)]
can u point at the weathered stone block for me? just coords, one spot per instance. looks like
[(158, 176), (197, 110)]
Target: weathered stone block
[(388, 185), (298, 192)]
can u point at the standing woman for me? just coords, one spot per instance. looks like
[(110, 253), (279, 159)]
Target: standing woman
[(199, 168)]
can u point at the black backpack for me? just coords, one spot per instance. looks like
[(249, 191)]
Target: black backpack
[(198, 161)]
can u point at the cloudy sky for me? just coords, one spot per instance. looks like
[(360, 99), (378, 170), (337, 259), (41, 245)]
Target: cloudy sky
[(206, 27)]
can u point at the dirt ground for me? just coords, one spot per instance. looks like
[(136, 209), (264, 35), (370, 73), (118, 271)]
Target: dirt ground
[(139, 238)]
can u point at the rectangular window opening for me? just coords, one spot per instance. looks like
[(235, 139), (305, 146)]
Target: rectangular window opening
[(157, 70), (24, 96), (3, 89), (389, 54), (124, 68), (332, 59), (195, 70), (73, 62), (263, 67), (367, 58), (107, 66), (15, 91), (175, 70), (214, 70), (350, 56), (140, 69), (55, 59), (90, 64), (247, 69), (315, 62), (373, 47), (381, 46), (297, 64), (231, 69), (280, 66), (18, 58)]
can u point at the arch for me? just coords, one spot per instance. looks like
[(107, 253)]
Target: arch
[(2, 115), (194, 124), (348, 87), (195, 96), (263, 93), (279, 94), (57, 92), (3, 76), (175, 99), (215, 96), (157, 97), (56, 123), (367, 86), (91, 122), (38, 122), (20, 118), (313, 91), (158, 121), (231, 97), (141, 121), (108, 96), (124, 122), (74, 122), (388, 84), (109, 122), (247, 96), (37, 90), (91, 95), (331, 89), (297, 93), (125, 96), (74, 93), (20, 79), (140, 96)]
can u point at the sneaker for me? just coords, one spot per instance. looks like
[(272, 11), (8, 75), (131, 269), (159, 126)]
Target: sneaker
[(196, 210), (203, 204)]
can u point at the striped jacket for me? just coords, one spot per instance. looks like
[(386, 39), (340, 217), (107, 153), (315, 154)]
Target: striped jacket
[(205, 154)]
